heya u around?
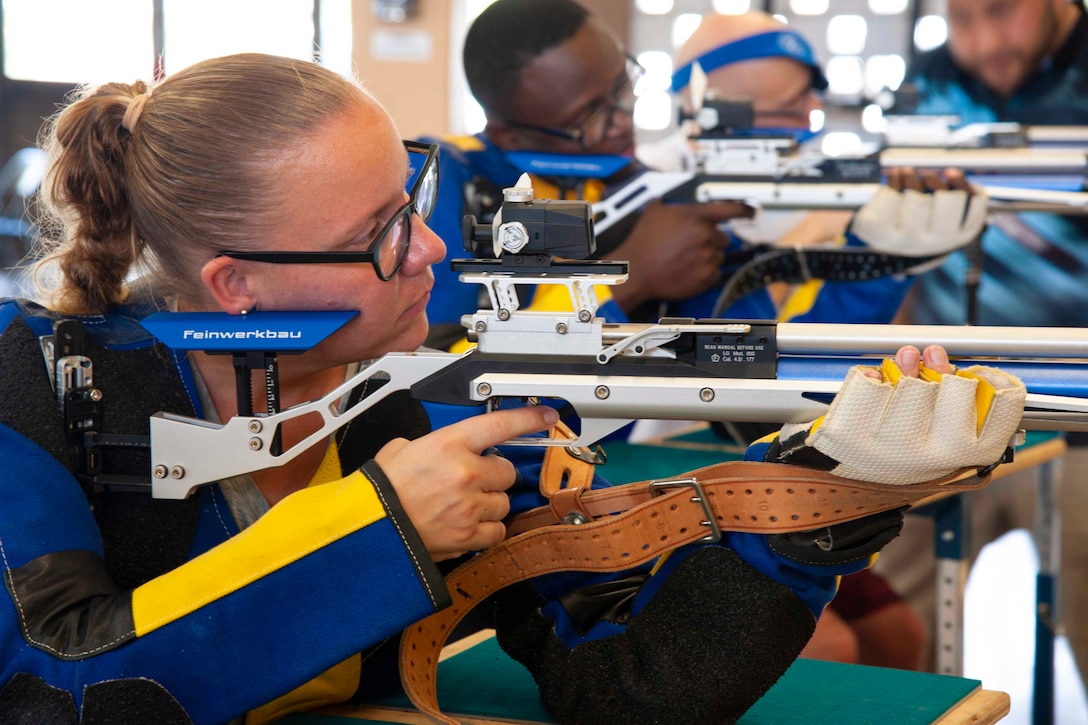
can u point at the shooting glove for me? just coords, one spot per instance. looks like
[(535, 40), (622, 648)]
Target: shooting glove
[(917, 224), (905, 430)]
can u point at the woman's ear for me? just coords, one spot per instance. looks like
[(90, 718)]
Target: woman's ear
[(225, 280)]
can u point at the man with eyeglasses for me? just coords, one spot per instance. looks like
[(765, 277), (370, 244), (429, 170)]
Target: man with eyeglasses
[(558, 91)]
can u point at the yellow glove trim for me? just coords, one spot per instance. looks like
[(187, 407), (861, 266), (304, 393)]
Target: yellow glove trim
[(984, 395), (891, 372)]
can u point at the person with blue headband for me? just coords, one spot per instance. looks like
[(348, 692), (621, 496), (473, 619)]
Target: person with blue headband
[(754, 56), (757, 57), (788, 77)]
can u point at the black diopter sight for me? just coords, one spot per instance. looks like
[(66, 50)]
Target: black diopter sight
[(526, 226)]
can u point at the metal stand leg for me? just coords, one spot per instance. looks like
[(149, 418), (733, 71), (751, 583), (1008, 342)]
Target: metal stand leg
[(1047, 530), (951, 519)]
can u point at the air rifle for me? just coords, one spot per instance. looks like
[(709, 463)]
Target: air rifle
[(677, 369), (907, 127), (733, 161)]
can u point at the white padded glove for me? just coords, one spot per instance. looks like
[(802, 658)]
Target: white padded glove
[(916, 224), (909, 430)]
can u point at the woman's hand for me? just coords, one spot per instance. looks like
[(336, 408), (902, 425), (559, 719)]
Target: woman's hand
[(908, 357), (913, 420), (453, 492)]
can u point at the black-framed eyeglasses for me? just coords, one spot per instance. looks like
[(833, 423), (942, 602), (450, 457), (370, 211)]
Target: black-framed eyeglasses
[(597, 124), (390, 247)]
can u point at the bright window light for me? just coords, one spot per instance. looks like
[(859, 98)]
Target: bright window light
[(929, 32), (475, 118), (888, 7), (884, 71), (654, 7), (846, 34), (844, 75), (468, 111), (74, 41), (475, 7), (838, 143), (809, 7), (658, 65), (683, 26), (816, 120), (279, 27), (732, 7), (653, 111), (336, 42), (872, 119)]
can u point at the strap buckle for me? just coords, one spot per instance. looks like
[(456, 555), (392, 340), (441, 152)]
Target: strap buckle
[(593, 456), (711, 522)]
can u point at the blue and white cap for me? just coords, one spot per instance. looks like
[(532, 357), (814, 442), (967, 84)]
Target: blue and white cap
[(774, 44)]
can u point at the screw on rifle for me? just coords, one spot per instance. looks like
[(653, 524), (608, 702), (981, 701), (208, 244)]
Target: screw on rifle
[(504, 314), (602, 392), (160, 471), (255, 444), (481, 326), (483, 389), (561, 328), (255, 426), (177, 472), (95, 395), (585, 315), (706, 395)]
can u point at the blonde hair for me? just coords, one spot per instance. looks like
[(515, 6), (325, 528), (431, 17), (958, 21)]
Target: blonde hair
[(158, 181)]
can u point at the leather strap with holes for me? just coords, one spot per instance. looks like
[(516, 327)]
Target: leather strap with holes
[(633, 524)]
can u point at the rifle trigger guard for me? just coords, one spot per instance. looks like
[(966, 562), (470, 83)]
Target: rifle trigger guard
[(711, 522)]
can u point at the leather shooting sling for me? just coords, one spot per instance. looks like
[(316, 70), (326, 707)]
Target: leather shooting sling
[(628, 525)]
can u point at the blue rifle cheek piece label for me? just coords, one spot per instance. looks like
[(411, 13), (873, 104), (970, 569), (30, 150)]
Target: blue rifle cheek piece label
[(258, 331), (601, 166)]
